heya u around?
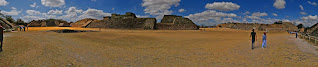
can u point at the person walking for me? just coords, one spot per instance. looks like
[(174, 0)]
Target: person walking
[(20, 27), (296, 34), (264, 40), (1, 37), (254, 37), (23, 28)]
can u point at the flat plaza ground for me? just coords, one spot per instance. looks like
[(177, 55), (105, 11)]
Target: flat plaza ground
[(153, 48)]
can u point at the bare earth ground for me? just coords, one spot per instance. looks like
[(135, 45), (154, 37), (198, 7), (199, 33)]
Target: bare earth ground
[(159, 48)]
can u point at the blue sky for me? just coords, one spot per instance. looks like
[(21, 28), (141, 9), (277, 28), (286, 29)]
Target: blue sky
[(207, 12)]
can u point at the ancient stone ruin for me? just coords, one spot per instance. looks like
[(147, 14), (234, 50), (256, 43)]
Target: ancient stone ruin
[(49, 23), (130, 21), (83, 23), (173, 22), (286, 26), (6, 24), (313, 30)]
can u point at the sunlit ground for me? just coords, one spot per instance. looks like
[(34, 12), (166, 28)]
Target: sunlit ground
[(190, 48)]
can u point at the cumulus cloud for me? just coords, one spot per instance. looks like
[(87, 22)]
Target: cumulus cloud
[(53, 3), (33, 5), (181, 10), (33, 12), (274, 14), (94, 13), (72, 14), (308, 20), (312, 3), (3, 3), (30, 18), (36, 15), (259, 14), (310, 17), (247, 12), (303, 13), (253, 17), (73, 10), (13, 8), (222, 6), (208, 15), (12, 12), (279, 4), (139, 16), (159, 7), (55, 12), (301, 7)]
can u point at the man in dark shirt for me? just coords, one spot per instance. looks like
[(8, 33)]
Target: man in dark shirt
[(254, 37)]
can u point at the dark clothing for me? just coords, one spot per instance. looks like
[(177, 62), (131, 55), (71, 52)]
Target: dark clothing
[(253, 36), (1, 37), (296, 35), (24, 29)]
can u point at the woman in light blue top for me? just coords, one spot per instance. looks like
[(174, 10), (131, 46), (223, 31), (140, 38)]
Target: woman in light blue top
[(264, 40)]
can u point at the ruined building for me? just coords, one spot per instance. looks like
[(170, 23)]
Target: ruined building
[(49, 23), (286, 26), (313, 30), (83, 22), (6, 24), (173, 22), (130, 21)]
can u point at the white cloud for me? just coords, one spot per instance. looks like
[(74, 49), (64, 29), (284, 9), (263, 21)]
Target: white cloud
[(301, 7), (222, 6), (73, 10), (53, 3), (13, 8), (12, 12), (274, 14), (30, 18), (181, 10), (259, 14), (33, 12), (139, 16), (55, 12), (93, 0), (3, 3), (303, 13), (208, 15), (312, 3), (159, 7), (311, 18), (113, 8), (247, 12), (94, 13), (71, 14), (279, 4), (33, 5), (253, 17)]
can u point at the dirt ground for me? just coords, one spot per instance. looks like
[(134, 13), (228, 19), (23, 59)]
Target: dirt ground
[(155, 48)]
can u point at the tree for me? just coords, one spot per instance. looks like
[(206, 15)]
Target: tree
[(279, 22), (9, 18), (300, 26)]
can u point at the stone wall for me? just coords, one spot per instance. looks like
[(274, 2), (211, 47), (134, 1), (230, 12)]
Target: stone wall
[(173, 22), (83, 22), (286, 26), (49, 23), (128, 23), (169, 18)]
